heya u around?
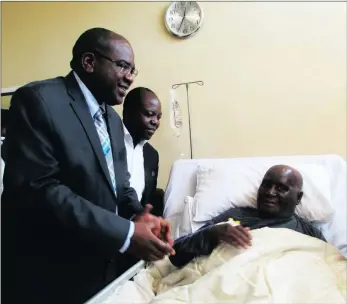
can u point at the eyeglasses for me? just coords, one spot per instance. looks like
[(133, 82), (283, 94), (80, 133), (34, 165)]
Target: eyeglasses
[(124, 69)]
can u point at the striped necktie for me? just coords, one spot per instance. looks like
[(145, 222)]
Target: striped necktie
[(105, 144)]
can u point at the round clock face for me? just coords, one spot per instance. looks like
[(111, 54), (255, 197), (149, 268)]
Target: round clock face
[(183, 19)]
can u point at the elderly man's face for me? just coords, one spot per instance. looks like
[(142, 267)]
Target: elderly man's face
[(279, 192), (110, 83)]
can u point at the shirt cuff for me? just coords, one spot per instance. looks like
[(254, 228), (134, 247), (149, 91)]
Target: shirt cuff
[(129, 236)]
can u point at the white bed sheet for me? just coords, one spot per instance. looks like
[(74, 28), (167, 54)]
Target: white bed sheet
[(230, 275), (182, 183)]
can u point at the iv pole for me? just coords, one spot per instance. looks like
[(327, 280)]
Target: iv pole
[(186, 84)]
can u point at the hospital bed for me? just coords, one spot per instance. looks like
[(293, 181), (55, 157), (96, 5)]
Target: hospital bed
[(183, 181)]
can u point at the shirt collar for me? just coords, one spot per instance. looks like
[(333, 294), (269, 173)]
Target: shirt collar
[(129, 138), (93, 105)]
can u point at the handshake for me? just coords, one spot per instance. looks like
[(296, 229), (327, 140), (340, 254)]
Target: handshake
[(151, 240)]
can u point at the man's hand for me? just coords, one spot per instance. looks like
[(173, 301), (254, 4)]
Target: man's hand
[(160, 227), (145, 245), (165, 232), (238, 236)]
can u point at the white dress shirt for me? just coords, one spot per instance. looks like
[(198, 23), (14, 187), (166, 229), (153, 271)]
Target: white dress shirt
[(135, 163), (93, 106)]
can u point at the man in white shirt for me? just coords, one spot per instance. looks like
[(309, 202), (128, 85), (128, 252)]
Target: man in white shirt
[(141, 119)]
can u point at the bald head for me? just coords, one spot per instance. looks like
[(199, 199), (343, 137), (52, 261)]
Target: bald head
[(293, 176), (280, 192)]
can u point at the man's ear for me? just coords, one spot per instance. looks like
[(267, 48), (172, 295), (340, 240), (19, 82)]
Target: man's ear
[(88, 62), (300, 194)]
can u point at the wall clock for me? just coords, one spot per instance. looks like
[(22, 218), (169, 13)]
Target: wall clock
[(184, 18)]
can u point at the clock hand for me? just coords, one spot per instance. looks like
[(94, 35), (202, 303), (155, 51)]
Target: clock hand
[(184, 16), (185, 8)]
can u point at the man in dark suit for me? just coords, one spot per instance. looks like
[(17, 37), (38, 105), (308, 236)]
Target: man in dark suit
[(66, 181), (141, 118)]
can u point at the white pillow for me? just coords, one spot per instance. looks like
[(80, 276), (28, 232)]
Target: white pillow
[(220, 188)]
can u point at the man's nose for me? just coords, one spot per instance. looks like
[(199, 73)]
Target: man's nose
[(129, 78), (272, 190), (154, 121)]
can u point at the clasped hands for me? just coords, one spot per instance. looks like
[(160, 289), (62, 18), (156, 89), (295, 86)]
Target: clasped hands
[(151, 240)]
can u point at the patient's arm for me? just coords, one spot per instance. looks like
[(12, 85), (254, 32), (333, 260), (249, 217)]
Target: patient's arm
[(308, 229), (318, 234), (193, 245), (201, 242)]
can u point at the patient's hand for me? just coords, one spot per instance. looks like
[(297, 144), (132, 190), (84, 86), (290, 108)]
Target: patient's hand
[(238, 236)]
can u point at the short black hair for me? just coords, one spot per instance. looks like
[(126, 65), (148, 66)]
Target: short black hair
[(134, 98), (93, 39)]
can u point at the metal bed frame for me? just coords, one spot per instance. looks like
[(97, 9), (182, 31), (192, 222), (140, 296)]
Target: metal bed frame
[(105, 293)]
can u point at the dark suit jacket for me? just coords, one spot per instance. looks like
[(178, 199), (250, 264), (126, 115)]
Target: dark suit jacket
[(151, 164), (61, 232)]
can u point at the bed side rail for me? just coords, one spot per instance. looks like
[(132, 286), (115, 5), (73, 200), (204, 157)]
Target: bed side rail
[(105, 293)]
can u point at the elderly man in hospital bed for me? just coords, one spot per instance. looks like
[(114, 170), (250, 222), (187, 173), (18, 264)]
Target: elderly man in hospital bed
[(278, 195), (238, 257)]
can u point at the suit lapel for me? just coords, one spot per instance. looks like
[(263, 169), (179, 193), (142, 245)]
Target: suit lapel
[(147, 169), (115, 136), (113, 131), (80, 107)]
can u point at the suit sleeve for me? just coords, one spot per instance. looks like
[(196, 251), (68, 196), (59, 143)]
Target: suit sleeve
[(33, 170), (156, 170), (152, 195)]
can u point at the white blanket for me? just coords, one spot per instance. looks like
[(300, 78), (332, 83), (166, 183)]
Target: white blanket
[(282, 266)]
